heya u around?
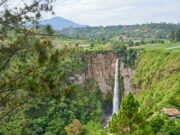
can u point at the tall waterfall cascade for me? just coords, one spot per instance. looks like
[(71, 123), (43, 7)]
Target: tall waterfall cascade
[(116, 89)]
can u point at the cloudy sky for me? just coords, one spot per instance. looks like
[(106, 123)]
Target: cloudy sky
[(115, 12)]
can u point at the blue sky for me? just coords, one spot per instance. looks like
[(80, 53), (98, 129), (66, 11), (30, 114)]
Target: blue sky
[(116, 12)]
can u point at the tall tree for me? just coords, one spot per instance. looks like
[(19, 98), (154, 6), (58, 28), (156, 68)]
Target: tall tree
[(128, 119), (175, 35), (14, 38), (13, 18)]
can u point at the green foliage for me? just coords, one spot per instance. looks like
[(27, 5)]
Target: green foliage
[(13, 18), (130, 43), (127, 55), (163, 125), (50, 100), (129, 107), (49, 30), (119, 49), (147, 32), (157, 79), (49, 115), (42, 48), (92, 128), (157, 124), (171, 127), (156, 76), (175, 35), (129, 119), (75, 128)]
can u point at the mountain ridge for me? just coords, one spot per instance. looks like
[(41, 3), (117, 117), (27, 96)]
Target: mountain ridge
[(59, 23)]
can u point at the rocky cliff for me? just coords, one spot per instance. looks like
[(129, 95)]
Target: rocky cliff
[(127, 74), (101, 68)]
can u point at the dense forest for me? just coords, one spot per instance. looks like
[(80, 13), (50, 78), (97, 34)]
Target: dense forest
[(151, 31), (54, 82)]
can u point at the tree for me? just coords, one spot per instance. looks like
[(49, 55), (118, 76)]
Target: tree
[(130, 43), (75, 128), (175, 35), (172, 36), (131, 57), (14, 38), (13, 19), (49, 30), (142, 42), (77, 44), (178, 35), (119, 48), (129, 118), (92, 45)]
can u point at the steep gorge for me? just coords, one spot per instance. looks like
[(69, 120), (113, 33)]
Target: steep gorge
[(100, 68)]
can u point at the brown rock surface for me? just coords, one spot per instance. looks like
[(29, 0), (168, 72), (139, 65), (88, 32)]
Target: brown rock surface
[(171, 111), (101, 69)]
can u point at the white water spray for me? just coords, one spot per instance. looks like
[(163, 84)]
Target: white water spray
[(116, 88)]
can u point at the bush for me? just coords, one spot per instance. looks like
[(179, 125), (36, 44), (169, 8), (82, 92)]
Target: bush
[(75, 128), (130, 43)]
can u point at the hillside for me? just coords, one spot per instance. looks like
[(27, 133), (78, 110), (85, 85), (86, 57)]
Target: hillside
[(59, 23), (156, 86), (59, 77), (157, 78), (150, 31), (56, 86)]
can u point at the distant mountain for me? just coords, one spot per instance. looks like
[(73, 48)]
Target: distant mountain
[(59, 23)]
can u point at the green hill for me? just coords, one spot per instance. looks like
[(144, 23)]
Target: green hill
[(150, 31), (157, 85)]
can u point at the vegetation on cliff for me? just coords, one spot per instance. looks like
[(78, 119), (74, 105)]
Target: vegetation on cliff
[(46, 100), (156, 79), (39, 93)]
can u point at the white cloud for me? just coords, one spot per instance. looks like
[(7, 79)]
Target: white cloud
[(115, 12)]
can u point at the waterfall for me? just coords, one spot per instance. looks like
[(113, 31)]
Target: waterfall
[(116, 89), (116, 93)]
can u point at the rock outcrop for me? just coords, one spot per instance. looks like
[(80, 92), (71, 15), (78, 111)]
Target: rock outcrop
[(126, 73), (100, 68)]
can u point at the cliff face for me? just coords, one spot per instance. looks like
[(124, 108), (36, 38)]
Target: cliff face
[(127, 74), (101, 69)]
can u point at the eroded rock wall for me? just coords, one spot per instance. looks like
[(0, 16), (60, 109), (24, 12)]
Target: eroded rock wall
[(101, 69), (127, 74)]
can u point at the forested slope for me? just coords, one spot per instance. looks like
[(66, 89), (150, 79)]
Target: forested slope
[(157, 77), (40, 97), (157, 84)]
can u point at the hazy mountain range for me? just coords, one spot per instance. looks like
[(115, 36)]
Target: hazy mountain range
[(59, 23)]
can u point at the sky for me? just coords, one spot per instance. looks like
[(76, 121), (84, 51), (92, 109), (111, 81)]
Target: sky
[(118, 12)]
